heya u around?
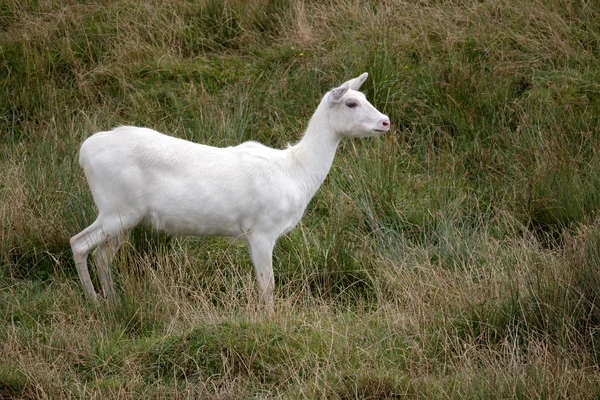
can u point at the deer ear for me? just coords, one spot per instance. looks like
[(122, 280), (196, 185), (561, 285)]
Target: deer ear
[(355, 83), (336, 94)]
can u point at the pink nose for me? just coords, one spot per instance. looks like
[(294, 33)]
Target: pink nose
[(386, 122)]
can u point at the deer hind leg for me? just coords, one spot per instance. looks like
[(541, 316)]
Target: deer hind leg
[(81, 245), (100, 234), (103, 256)]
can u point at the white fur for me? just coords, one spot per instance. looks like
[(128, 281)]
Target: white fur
[(250, 191)]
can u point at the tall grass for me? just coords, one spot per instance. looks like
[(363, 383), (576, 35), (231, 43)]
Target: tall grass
[(456, 256)]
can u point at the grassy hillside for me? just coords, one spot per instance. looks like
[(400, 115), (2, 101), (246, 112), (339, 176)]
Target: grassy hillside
[(457, 256)]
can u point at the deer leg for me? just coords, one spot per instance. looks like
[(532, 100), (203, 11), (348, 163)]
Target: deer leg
[(261, 253), (103, 256), (81, 245)]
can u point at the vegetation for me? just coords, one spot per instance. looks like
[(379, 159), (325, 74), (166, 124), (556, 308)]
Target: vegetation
[(457, 256)]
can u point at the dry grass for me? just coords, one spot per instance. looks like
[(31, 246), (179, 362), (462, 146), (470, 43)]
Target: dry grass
[(456, 257)]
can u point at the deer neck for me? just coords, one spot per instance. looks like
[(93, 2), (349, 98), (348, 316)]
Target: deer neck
[(313, 155)]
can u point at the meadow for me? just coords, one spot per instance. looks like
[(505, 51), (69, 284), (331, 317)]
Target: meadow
[(456, 256)]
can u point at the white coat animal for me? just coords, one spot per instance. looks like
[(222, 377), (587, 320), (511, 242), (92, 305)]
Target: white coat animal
[(249, 191)]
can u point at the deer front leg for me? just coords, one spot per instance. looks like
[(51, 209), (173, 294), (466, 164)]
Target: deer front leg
[(261, 253)]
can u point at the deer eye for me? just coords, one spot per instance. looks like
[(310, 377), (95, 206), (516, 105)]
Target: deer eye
[(352, 103)]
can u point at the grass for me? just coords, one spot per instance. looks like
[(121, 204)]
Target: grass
[(454, 257)]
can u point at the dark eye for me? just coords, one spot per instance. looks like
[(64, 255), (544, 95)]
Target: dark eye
[(352, 104)]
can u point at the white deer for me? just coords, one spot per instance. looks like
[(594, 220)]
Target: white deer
[(250, 191)]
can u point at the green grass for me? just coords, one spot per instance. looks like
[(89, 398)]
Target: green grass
[(457, 256)]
